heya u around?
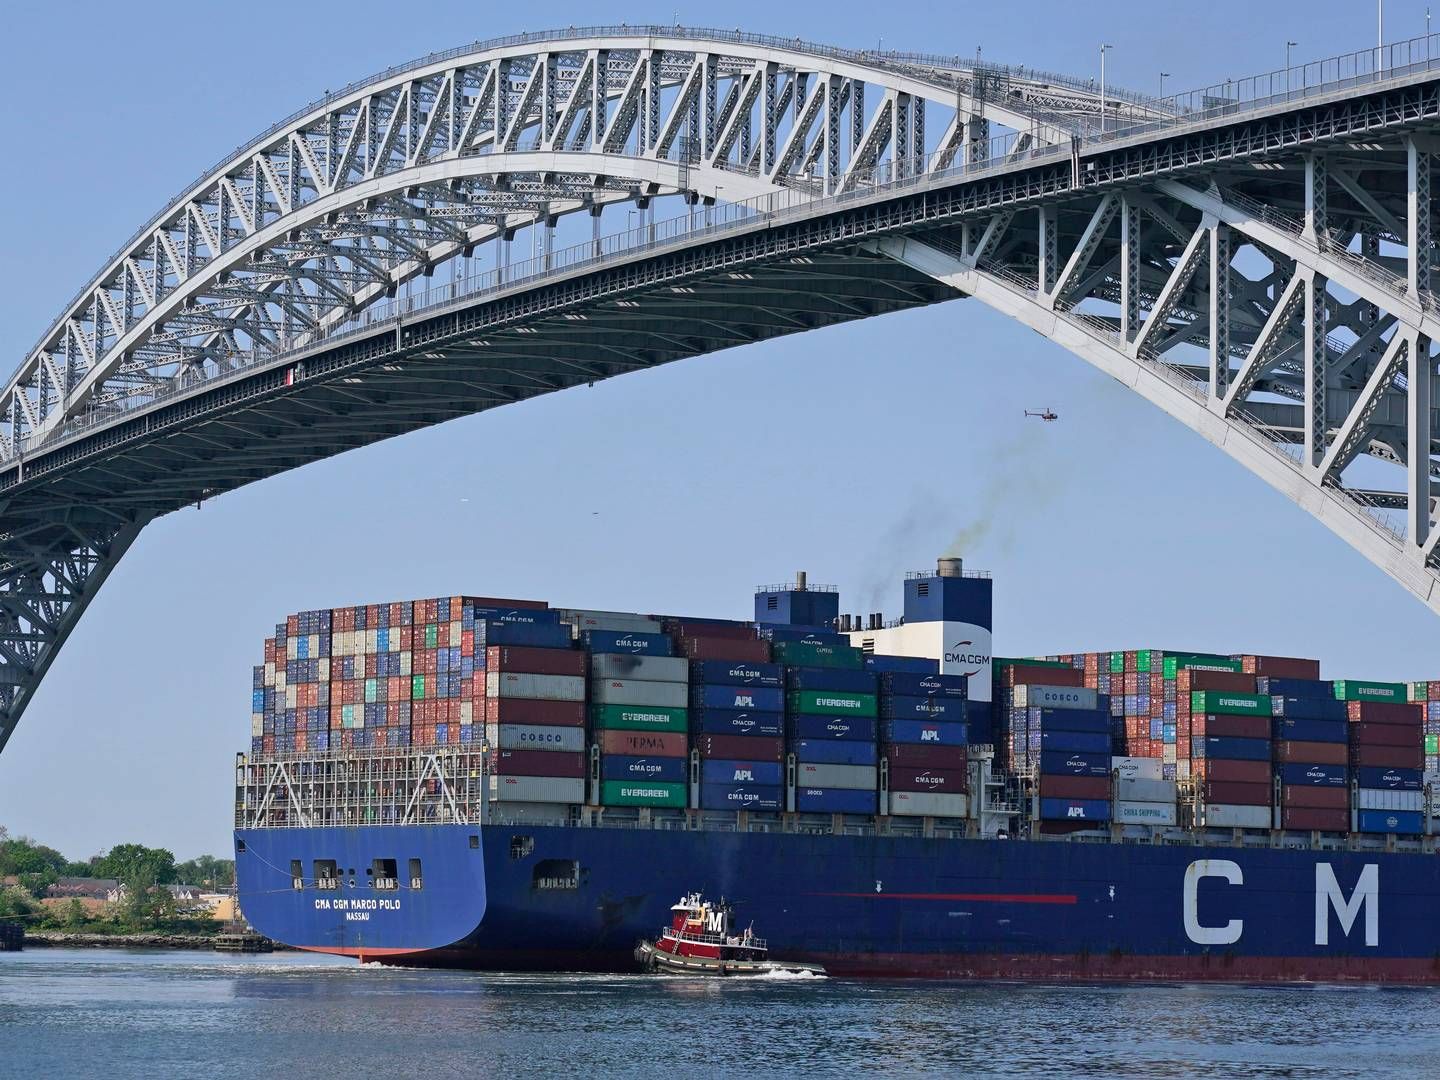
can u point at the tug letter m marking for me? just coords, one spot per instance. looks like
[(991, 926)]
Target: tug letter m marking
[(1328, 894)]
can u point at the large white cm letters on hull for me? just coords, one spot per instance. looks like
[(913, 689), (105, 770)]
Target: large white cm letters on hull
[(965, 650), (1328, 896)]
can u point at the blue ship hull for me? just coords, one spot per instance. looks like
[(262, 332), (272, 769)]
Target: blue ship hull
[(552, 898)]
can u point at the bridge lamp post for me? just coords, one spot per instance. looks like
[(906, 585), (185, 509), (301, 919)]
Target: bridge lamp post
[(1163, 76), (1288, 46), (1103, 50)]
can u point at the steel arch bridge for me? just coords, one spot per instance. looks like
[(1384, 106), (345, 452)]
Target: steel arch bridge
[(1254, 258)]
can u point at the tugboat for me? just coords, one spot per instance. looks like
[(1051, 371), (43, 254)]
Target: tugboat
[(699, 941)]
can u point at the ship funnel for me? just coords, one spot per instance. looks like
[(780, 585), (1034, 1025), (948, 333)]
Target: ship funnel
[(948, 567), (799, 580)]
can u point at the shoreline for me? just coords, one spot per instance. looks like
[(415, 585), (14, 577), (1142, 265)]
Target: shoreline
[(50, 939)]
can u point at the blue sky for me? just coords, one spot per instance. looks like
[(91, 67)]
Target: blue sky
[(855, 452)]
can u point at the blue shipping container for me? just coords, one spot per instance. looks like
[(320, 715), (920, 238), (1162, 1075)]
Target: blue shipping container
[(1075, 809), (623, 767), (979, 721), (1335, 731), (922, 708), (1386, 779), (1295, 688), (742, 797), (1086, 742), (737, 722), (1305, 708), (719, 771), (1406, 822), (910, 665), (832, 727), (1070, 719), (736, 673), (836, 752), (518, 616), (531, 635), (921, 732), (815, 635), (815, 678), (1075, 763), (619, 641), (752, 698), (835, 801), (1228, 748), (1314, 775), (910, 685)]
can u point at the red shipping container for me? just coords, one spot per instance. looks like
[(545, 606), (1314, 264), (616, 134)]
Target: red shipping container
[(1282, 667), (1368, 733), (532, 661), (1314, 819), (1390, 757), (944, 781), (1318, 798), (1219, 791), (1231, 772), (1234, 727), (533, 711), (1384, 712), (653, 743), (1029, 675), (737, 747), (538, 763), (1193, 679), (1074, 787), (498, 602), (1060, 828), (728, 631), (752, 651), (1312, 753), (926, 757)]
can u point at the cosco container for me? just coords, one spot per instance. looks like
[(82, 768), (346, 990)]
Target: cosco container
[(641, 793), (509, 684), (927, 804), (736, 673), (821, 678), (832, 727), (534, 737), (729, 771), (1056, 697), (1403, 822), (671, 770), (820, 775), (949, 781), (835, 800), (607, 691), (758, 797), (737, 722), (922, 708), (666, 669), (625, 641), (750, 698), (1145, 813), (536, 789), (643, 743), (926, 732), (1074, 810), (836, 751), (638, 718)]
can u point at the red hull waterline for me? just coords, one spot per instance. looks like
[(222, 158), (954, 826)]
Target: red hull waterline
[(994, 967)]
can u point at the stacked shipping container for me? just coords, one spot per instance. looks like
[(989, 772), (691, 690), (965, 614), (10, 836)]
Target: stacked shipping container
[(924, 742)]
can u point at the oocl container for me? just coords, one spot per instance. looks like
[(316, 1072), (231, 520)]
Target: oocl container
[(536, 789), (1402, 822), (927, 804), (1219, 815), (639, 692), (671, 669), (509, 684), (821, 775)]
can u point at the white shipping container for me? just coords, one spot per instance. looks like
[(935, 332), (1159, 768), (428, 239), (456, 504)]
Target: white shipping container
[(672, 695), (623, 621), (257, 724), (927, 804), (1145, 813), (1056, 697), (1167, 754), (292, 648), (672, 669), (405, 662), (1137, 768), (537, 789), (324, 667), (532, 813), (851, 777), (1378, 799), (1182, 770), (1161, 791), (534, 737), (515, 684), (290, 697), (1232, 816)]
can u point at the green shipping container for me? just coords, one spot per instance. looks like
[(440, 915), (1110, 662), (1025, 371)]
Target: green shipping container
[(1142, 660), (417, 687), (1117, 663), (1355, 690), (832, 703), (639, 717), (1203, 661), (432, 635), (641, 793), (1419, 691), (1432, 744), (809, 654), (1229, 703)]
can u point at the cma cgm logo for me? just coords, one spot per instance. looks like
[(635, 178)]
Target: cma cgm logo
[(1211, 927), (962, 653)]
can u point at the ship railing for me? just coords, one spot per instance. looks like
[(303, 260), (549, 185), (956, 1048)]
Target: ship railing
[(715, 939)]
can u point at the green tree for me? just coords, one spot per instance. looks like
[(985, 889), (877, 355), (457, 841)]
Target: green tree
[(74, 914), (21, 855), (208, 871), (16, 902), (136, 863)]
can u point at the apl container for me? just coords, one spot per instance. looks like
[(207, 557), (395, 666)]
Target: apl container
[(670, 669), (671, 770), (534, 737), (673, 695), (1074, 810), (927, 804), (729, 771), (536, 789), (925, 732), (751, 698), (820, 775), (759, 797), (641, 793)]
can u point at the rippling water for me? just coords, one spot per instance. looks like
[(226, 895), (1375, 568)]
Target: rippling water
[(133, 1013)]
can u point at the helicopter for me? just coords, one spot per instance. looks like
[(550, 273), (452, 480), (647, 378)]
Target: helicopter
[(1044, 414)]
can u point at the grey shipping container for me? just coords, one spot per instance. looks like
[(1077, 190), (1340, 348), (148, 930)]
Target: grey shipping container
[(1144, 813), (671, 669), (853, 777), (1056, 697), (536, 789), (583, 620), (639, 692), (534, 737), (927, 804), (514, 684), (1231, 816), (532, 813), (1156, 791)]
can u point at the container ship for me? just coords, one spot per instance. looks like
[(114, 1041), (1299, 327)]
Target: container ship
[(500, 784)]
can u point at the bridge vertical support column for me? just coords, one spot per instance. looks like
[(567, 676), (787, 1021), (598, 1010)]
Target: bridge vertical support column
[(1049, 245), (917, 136), (1417, 218), (650, 133), (710, 75), (833, 85), (768, 122), (1420, 430), (901, 154), (857, 116), (1221, 252), (1317, 202), (1315, 371), (977, 137), (1129, 269), (599, 98)]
